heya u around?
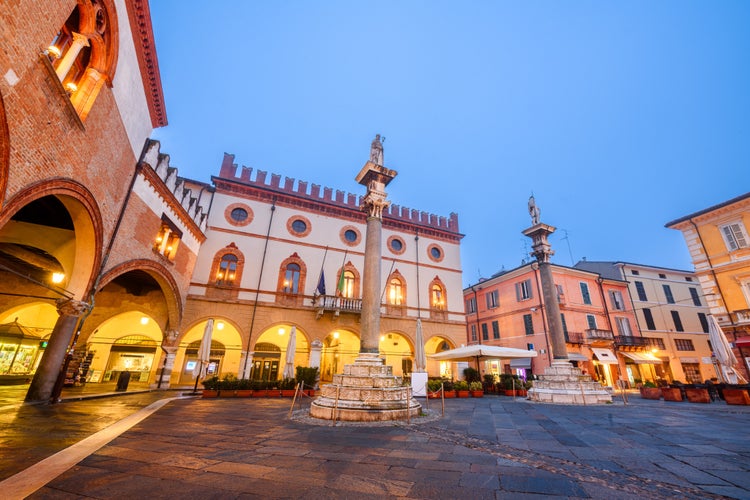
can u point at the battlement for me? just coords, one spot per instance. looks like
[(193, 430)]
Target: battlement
[(302, 189)]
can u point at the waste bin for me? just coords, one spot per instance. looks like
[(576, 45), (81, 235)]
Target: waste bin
[(122, 381)]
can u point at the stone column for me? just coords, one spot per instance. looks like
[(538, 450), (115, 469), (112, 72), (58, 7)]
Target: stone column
[(164, 373), (46, 374), (375, 178), (542, 251), (316, 347), (246, 366), (79, 42)]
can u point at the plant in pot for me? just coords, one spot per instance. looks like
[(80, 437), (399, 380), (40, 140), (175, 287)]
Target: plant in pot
[(462, 388), (476, 389), (308, 375), (449, 391), (259, 388), (287, 386), (211, 387), (244, 388), (649, 390), (471, 375), (228, 386), (672, 392), (433, 388), (489, 382)]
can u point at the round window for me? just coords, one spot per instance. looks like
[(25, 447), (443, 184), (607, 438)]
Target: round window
[(239, 215), (299, 226), (397, 245), (435, 252), (350, 235)]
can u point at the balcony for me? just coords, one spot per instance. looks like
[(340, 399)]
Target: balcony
[(742, 316), (338, 305), (574, 337), (628, 341), (596, 334)]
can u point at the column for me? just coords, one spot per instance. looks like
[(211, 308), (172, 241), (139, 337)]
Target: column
[(316, 347), (164, 375), (369, 343), (46, 374), (79, 42)]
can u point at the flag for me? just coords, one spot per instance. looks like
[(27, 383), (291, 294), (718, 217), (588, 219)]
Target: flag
[(321, 285), (340, 287)]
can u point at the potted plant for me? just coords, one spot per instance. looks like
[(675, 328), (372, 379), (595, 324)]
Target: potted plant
[(489, 382), (433, 388), (449, 391), (211, 387), (650, 391), (244, 388), (672, 392), (259, 388), (287, 386), (308, 375), (476, 389), (512, 385), (471, 375), (734, 395), (462, 389), (697, 394)]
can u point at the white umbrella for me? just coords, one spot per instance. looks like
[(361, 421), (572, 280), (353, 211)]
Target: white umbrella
[(204, 351), (722, 351), (291, 347), (420, 360), (471, 352)]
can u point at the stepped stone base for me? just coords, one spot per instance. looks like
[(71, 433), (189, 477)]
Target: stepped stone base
[(367, 391), (563, 383)]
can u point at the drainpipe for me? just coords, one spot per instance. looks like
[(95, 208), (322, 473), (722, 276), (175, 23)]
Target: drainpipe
[(257, 289)]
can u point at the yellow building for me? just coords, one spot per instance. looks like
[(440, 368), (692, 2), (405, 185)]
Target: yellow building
[(717, 238)]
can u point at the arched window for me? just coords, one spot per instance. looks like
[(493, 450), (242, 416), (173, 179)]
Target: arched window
[(291, 278), (437, 300), (227, 270), (83, 53), (348, 282), (395, 294)]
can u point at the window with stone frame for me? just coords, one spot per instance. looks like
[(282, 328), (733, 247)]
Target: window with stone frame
[(227, 270), (735, 235), (291, 277), (167, 239), (395, 294)]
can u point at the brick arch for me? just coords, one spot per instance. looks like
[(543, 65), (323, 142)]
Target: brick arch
[(104, 49), (232, 250), (292, 259), (4, 151), (88, 226), (162, 276)]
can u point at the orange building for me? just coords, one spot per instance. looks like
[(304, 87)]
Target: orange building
[(601, 331), (719, 244)]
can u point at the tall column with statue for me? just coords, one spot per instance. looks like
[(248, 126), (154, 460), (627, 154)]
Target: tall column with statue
[(562, 382), (367, 390)]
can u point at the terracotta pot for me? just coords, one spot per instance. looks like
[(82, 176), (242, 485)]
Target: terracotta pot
[(477, 394), (698, 395), (671, 394), (228, 394), (287, 393), (449, 394), (259, 393), (433, 395), (650, 393), (208, 393), (244, 393), (462, 394), (736, 396)]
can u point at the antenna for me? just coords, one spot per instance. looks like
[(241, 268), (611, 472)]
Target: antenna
[(567, 240)]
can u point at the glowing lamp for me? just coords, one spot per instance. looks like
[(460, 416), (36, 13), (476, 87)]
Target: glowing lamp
[(58, 278), (144, 320), (71, 87), (220, 325), (54, 51)]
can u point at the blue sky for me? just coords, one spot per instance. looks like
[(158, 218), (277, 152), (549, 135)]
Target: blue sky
[(619, 117)]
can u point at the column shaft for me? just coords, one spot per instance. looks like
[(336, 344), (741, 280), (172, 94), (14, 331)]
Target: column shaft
[(552, 308), (369, 343)]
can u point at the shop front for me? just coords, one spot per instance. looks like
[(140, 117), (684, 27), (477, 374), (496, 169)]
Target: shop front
[(20, 353)]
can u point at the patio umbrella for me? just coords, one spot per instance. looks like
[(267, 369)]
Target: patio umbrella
[(476, 352), (291, 347), (420, 360), (724, 355), (204, 351)]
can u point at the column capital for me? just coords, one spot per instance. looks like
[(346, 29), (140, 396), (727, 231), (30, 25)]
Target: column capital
[(70, 307)]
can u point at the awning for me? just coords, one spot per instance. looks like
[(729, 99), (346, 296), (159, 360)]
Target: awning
[(605, 356), (742, 342), (574, 356), (520, 363), (643, 357)]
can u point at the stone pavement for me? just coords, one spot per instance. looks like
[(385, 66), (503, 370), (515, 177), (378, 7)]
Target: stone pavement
[(494, 447)]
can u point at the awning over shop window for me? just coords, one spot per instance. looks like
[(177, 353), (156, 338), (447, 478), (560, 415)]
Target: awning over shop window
[(574, 356), (520, 363), (605, 356), (643, 357)]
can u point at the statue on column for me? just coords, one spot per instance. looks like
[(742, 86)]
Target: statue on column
[(533, 210), (376, 150)]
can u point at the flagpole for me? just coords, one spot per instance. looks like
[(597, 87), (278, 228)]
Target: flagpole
[(340, 286), (322, 264), (317, 290)]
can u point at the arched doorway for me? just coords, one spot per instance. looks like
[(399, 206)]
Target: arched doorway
[(133, 353), (269, 353), (396, 349), (340, 348), (438, 368), (213, 368), (226, 349)]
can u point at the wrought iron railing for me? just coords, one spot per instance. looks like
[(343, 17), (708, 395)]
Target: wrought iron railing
[(596, 334)]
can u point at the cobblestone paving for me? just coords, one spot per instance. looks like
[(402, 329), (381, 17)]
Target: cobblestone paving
[(492, 447)]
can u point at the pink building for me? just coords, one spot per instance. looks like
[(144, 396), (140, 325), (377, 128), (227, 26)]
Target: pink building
[(601, 332)]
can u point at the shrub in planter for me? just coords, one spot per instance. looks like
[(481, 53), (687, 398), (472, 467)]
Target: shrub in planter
[(476, 389), (244, 388), (308, 375), (471, 375), (449, 390), (433, 388), (211, 387), (287, 387), (462, 389), (489, 382)]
